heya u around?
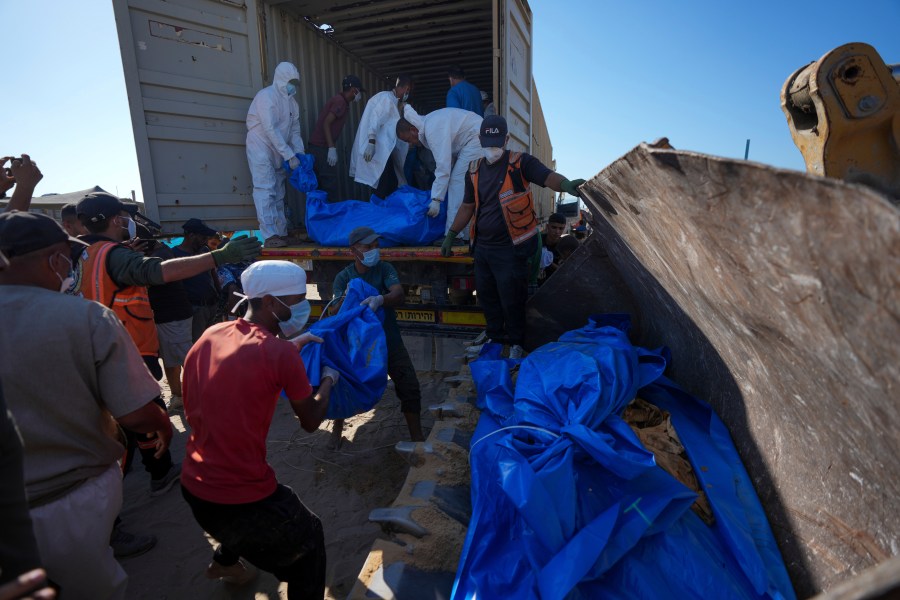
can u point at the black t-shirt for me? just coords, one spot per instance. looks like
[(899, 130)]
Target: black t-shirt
[(169, 301), (490, 227), (201, 289)]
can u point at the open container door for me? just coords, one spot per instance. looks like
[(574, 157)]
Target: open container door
[(515, 71), (192, 68)]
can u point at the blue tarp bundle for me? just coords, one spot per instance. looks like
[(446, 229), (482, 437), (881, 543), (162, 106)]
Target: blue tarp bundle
[(567, 503), (400, 219), (354, 344), (303, 178)]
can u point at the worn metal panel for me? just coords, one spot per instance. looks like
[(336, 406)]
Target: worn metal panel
[(542, 149), (191, 69), (515, 101)]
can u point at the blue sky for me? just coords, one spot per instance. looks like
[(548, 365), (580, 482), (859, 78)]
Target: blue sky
[(704, 73)]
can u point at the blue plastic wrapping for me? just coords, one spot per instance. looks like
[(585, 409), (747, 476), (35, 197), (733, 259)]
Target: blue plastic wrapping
[(354, 344), (567, 503), (400, 219), (303, 178)]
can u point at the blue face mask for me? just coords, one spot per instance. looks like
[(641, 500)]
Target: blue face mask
[(291, 89), (371, 258), (297, 321)]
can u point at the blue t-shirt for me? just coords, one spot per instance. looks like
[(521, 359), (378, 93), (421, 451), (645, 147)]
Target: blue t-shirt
[(466, 96)]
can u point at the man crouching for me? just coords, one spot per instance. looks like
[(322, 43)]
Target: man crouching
[(233, 377)]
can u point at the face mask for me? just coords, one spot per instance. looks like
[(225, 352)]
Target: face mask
[(493, 154), (371, 257), (131, 228), (405, 96), (297, 321), (357, 97), (291, 89), (64, 284)]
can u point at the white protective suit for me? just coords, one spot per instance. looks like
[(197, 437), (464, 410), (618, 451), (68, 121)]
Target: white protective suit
[(379, 122), (452, 136), (273, 136)]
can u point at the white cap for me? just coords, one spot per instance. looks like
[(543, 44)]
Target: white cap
[(272, 277)]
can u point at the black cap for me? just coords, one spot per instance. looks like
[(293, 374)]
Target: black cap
[(456, 71), (493, 132), (363, 235), (198, 226), (99, 206), (25, 232), (352, 81)]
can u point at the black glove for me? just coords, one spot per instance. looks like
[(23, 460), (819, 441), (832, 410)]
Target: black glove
[(239, 249)]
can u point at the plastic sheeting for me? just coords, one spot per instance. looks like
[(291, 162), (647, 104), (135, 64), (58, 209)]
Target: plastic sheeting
[(400, 219), (567, 503), (354, 344), (303, 178)]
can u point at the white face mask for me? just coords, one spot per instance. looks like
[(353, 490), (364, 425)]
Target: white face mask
[(131, 228), (64, 283), (405, 96), (371, 257), (291, 89), (297, 321), (357, 97), (493, 154)]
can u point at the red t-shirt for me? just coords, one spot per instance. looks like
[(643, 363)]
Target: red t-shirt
[(337, 105), (233, 377)]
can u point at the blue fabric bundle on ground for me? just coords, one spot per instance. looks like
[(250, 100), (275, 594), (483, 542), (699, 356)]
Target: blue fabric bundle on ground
[(567, 502), (400, 219), (354, 344), (303, 178)]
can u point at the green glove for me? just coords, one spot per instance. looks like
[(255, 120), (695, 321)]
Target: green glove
[(571, 187), (447, 246), (239, 249)]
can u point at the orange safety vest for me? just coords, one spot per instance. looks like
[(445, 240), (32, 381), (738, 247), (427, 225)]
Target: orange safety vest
[(131, 304), (516, 203)]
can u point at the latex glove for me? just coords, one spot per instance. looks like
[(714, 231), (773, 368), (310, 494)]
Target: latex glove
[(305, 338), (447, 246), (329, 372), (239, 249), (434, 208), (370, 151), (332, 157), (571, 187), (546, 258), (373, 302), (293, 163)]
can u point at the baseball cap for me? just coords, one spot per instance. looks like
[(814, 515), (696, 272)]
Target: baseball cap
[(351, 81), (198, 226), (363, 235), (25, 232), (98, 206), (273, 277), (493, 132)]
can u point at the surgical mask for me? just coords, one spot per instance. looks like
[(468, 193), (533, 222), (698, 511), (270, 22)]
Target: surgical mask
[(65, 284), (371, 257), (493, 154), (291, 89), (297, 321), (357, 97), (131, 228), (405, 96)]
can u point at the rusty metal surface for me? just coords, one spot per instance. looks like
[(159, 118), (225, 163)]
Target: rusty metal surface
[(779, 295), (844, 115)]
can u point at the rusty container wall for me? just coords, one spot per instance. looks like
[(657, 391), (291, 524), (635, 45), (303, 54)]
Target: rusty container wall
[(323, 65), (542, 149), (779, 295)]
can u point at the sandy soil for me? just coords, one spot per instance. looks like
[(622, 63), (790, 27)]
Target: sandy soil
[(341, 487)]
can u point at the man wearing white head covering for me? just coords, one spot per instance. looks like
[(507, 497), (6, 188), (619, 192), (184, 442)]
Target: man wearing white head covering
[(273, 136), (376, 140), (452, 136), (233, 378)]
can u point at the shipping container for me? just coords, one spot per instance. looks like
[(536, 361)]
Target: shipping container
[(192, 68)]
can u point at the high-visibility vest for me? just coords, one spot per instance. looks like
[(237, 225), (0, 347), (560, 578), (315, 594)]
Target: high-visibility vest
[(131, 303), (516, 203)]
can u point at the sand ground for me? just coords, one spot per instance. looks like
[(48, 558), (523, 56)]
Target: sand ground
[(341, 487)]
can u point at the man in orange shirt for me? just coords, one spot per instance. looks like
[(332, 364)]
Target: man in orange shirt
[(233, 377)]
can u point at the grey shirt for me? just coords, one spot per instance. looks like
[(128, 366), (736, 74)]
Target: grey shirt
[(68, 368)]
